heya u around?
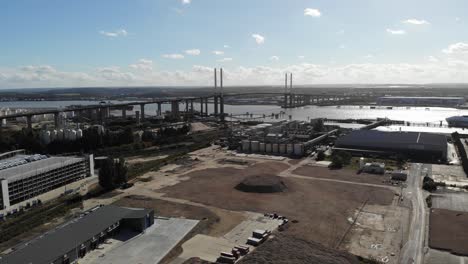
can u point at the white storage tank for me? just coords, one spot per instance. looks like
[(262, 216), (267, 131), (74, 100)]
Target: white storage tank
[(60, 134), (282, 148), (254, 146), (268, 148), (275, 148), (66, 134), (262, 148), (290, 149), (53, 135), (246, 145), (79, 133), (73, 135), (298, 149)]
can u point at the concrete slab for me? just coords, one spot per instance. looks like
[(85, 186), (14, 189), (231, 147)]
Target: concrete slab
[(243, 231), (151, 246), (457, 201), (205, 247)]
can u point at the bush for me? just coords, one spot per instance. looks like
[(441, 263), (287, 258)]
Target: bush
[(340, 159), (320, 155)]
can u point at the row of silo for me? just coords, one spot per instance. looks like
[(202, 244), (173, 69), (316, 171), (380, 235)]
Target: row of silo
[(47, 136), (291, 149)]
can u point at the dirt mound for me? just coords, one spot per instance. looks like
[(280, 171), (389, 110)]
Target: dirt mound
[(262, 184), (287, 249)]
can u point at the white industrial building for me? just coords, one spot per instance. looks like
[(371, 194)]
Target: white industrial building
[(24, 177)]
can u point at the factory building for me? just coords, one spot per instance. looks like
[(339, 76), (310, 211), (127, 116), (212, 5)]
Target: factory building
[(23, 177), (422, 101), (414, 145), (71, 241)]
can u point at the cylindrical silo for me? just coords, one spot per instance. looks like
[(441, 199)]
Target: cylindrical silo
[(254, 146), (282, 148), (246, 145), (262, 148), (298, 149), (275, 148), (268, 148), (289, 149)]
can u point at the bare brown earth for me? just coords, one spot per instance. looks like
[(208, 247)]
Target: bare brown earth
[(448, 230), (286, 249), (342, 175), (321, 208), (214, 223)]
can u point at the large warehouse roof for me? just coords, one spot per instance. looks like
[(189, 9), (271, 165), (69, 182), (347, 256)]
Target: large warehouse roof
[(33, 167), (378, 140), (61, 240)]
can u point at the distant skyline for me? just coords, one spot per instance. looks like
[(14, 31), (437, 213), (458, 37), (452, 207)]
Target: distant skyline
[(84, 43)]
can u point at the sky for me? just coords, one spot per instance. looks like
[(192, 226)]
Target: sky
[(56, 43)]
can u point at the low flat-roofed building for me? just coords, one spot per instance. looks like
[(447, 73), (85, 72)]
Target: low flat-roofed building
[(414, 145), (67, 243), (421, 101), (23, 177)]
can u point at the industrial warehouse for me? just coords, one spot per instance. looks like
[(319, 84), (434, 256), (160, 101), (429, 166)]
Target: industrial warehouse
[(24, 177), (71, 241), (414, 145)]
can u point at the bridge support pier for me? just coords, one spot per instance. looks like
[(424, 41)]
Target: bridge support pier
[(215, 101), (142, 111), (201, 106), (206, 107), (124, 112), (159, 111), (221, 105), (191, 106), (102, 114), (175, 109), (29, 122)]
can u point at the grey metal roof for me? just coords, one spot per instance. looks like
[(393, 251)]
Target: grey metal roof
[(60, 241), (35, 167), (379, 140)]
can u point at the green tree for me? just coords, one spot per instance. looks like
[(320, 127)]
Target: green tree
[(107, 175), (121, 172), (340, 159), (320, 155)]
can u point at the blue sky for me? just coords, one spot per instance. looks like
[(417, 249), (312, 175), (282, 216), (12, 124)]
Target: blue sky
[(177, 42)]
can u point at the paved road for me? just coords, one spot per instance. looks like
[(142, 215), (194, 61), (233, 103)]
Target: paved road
[(412, 251)]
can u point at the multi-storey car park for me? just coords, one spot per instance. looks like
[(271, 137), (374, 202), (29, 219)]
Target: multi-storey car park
[(24, 177)]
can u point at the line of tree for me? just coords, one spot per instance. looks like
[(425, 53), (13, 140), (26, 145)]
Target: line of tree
[(113, 173)]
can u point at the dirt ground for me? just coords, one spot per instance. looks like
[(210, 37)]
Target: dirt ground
[(216, 222), (448, 230), (288, 249), (321, 208), (343, 175)]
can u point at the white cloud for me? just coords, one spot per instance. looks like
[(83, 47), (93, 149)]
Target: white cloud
[(225, 60), (457, 48), (226, 46), (143, 64), (312, 12), (396, 31), (432, 59), (340, 32), (193, 52), (186, 2), (173, 56), (274, 58), (414, 21), (258, 38), (114, 34), (342, 46), (218, 52), (301, 57), (457, 19), (369, 56)]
